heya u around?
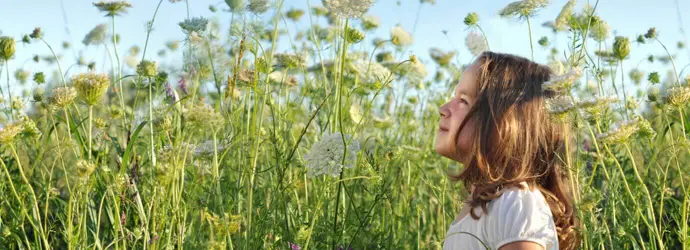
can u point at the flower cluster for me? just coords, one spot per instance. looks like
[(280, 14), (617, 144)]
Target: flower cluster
[(328, 156), (91, 87), (563, 83), (348, 8)]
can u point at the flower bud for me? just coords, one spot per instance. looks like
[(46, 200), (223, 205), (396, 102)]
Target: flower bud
[(471, 19), (621, 47), (7, 47)]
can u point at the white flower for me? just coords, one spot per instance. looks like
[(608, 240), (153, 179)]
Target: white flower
[(205, 149), (600, 31), (131, 61), (523, 8), (96, 35), (356, 113), (370, 22), (400, 36), (348, 8), (562, 19), (370, 72), (560, 105), (196, 24), (476, 43), (415, 71), (326, 156), (563, 83)]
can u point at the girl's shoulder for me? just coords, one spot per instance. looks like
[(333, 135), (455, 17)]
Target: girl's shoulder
[(520, 215)]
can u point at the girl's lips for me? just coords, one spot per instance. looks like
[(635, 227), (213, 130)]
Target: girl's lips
[(442, 129)]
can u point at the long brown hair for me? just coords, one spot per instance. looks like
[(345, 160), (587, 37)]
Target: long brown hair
[(515, 140)]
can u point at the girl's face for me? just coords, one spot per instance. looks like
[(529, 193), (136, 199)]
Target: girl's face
[(452, 115)]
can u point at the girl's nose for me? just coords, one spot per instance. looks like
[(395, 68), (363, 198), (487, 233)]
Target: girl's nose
[(443, 111)]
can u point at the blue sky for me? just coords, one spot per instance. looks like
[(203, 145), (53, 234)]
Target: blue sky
[(57, 17)]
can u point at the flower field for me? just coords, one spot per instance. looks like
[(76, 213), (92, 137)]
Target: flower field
[(266, 134)]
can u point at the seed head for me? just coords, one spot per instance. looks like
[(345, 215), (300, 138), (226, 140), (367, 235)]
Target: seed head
[(91, 87), (113, 8), (7, 48)]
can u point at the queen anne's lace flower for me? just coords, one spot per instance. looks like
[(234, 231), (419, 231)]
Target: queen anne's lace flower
[(370, 72), (476, 43), (96, 35), (563, 83), (348, 8), (196, 24), (562, 19), (327, 155), (400, 36)]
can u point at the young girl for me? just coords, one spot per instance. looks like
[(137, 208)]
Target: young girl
[(497, 127)]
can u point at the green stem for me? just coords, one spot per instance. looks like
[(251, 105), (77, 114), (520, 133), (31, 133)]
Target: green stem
[(90, 129), (36, 210), (649, 196), (153, 143), (9, 92), (529, 28), (119, 75)]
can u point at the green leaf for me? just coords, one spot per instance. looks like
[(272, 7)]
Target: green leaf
[(130, 146)]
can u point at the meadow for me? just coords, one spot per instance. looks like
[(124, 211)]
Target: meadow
[(326, 144)]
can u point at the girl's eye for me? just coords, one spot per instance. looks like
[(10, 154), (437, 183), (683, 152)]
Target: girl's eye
[(463, 101)]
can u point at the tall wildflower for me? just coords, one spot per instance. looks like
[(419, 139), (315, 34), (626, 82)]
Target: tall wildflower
[(7, 47), (348, 8), (63, 96), (522, 9), (563, 83), (400, 36), (96, 35), (328, 156), (475, 42), (258, 6), (196, 24), (370, 72), (621, 131), (678, 96), (9, 131), (621, 47), (114, 8), (566, 12), (91, 87)]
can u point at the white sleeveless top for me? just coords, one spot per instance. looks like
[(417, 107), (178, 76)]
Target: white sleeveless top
[(517, 215)]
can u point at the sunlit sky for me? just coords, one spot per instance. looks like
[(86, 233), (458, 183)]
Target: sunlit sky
[(70, 20)]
